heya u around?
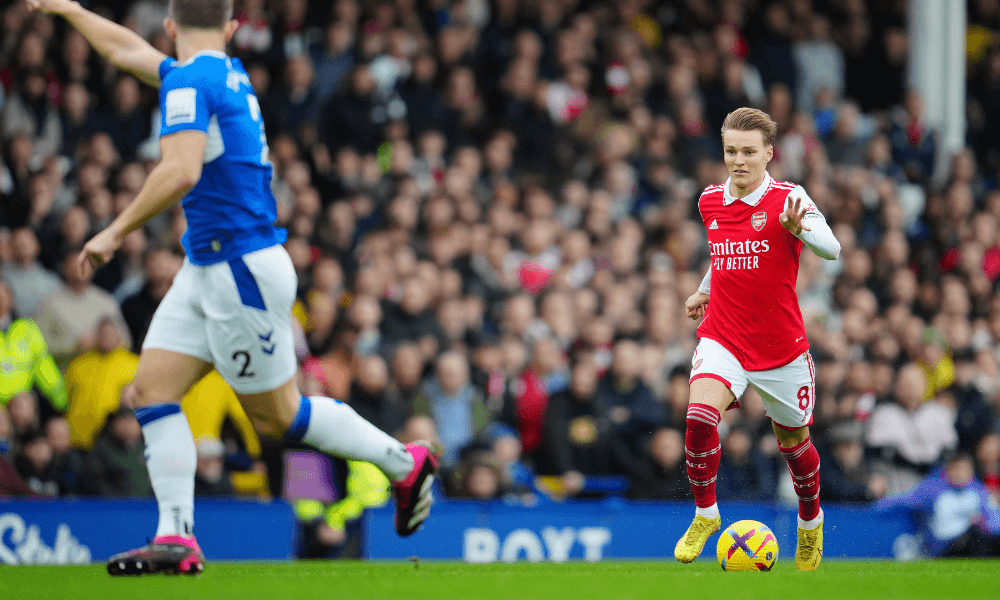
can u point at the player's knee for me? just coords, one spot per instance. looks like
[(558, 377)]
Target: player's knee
[(270, 424), (138, 394)]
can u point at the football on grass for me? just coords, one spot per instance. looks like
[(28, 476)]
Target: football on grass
[(747, 546)]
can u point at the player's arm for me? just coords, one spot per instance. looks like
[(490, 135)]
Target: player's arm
[(695, 304), (803, 220), (178, 171), (120, 45)]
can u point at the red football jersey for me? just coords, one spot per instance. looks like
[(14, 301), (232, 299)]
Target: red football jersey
[(753, 310)]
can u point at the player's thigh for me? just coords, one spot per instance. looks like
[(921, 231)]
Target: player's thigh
[(248, 306), (717, 378), (175, 352), (788, 392), (164, 376)]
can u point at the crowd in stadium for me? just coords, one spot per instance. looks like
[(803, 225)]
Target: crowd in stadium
[(491, 209)]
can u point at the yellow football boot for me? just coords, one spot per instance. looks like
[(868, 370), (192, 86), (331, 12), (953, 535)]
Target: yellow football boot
[(810, 549), (693, 541)]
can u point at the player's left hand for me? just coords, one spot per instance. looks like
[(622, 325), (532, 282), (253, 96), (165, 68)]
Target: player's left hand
[(791, 219), (98, 250)]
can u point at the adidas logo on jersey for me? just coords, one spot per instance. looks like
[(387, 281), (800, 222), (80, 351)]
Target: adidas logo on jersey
[(714, 225)]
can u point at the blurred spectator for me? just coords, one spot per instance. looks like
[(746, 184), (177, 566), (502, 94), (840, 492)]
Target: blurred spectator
[(957, 516), (27, 363), (28, 280), (211, 477), (370, 398), (96, 380), (116, 465), (664, 476), (411, 319), (844, 474), (820, 64), (587, 428), (910, 434), (456, 407), (537, 410), (628, 404), (28, 111), (744, 473), (68, 465), (124, 118), (34, 463), (11, 483), (988, 462), (69, 316), (478, 477), (352, 117), (407, 374), (333, 60), (914, 144), (332, 531), (159, 268)]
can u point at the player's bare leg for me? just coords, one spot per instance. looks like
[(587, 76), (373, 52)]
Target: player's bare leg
[(162, 378), (803, 463), (709, 398), (335, 427)]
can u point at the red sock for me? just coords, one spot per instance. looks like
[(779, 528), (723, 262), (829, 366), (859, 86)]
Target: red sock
[(803, 462), (701, 442)]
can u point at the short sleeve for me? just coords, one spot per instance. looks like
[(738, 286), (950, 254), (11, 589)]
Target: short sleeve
[(184, 102)]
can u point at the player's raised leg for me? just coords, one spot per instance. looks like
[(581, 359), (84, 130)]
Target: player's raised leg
[(335, 427), (161, 380), (709, 398), (803, 462)]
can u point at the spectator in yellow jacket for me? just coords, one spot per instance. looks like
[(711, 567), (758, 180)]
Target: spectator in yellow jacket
[(25, 361), (96, 380)]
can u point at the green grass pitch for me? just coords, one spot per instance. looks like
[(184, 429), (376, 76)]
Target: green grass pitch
[(703, 580)]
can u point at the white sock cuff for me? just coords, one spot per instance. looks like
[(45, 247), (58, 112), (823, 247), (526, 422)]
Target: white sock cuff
[(709, 512), (811, 523)]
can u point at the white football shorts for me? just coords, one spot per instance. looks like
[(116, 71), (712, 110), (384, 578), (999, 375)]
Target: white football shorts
[(235, 314), (788, 392)]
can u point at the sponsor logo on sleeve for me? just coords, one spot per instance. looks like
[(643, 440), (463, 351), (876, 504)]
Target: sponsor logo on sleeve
[(181, 106)]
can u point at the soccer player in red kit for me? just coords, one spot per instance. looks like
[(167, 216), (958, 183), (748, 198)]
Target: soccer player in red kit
[(752, 331)]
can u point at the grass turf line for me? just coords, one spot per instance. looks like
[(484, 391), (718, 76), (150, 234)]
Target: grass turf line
[(314, 580)]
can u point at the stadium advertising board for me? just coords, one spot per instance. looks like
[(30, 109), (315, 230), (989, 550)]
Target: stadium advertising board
[(614, 529), (84, 531)]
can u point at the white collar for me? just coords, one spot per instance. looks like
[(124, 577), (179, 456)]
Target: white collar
[(753, 198), (214, 53)]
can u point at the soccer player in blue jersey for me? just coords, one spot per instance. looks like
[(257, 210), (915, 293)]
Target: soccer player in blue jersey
[(230, 305)]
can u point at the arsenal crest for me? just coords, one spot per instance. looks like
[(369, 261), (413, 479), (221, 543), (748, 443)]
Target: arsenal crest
[(758, 220)]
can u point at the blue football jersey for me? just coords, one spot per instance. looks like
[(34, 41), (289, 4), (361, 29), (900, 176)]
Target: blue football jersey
[(231, 210)]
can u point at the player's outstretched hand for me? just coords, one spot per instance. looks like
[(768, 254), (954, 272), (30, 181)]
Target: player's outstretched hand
[(695, 305), (53, 7), (98, 250), (791, 219)]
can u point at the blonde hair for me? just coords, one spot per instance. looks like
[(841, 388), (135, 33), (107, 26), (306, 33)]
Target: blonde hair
[(750, 119)]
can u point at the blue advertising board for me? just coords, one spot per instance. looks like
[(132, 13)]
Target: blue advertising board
[(613, 529), (84, 531)]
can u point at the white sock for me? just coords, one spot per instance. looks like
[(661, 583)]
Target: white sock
[(812, 523), (709, 512), (171, 462), (336, 428)]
